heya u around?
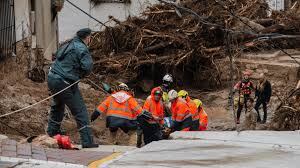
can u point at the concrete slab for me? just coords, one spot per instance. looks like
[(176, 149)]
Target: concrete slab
[(283, 138), (8, 164), (32, 163), (259, 149)]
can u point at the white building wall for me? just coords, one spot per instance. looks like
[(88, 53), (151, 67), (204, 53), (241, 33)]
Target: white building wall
[(276, 4), (21, 18), (71, 19)]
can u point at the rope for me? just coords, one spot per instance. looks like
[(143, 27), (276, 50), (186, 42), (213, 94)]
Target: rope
[(27, 107)]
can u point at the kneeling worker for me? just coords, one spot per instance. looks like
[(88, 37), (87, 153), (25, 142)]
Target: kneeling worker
[(194, 110), (203, 122), (181, 113), (152, 128), (121, 111)]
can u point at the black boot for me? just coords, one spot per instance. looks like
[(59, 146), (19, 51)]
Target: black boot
[(90, 145), (86, 138), (264, 120), (258, 118)]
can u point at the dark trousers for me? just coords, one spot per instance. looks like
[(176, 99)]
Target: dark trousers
[(115, 123), (257, 105), (195, 125), (241, 105), (151, 131), (186, 123), (73, 99)]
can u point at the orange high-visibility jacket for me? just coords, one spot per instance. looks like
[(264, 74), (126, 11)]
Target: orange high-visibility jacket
[(193, 108), (180, 110), (120, 104), (154, 107), (203, 120)]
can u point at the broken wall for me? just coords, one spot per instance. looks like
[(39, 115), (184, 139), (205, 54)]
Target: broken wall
[(71, 19)]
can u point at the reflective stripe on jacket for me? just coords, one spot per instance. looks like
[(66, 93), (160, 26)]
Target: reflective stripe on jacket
[(120, 104)]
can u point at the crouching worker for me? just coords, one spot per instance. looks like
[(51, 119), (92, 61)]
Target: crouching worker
[(203, 118), (193, 109), (121, 111), (152, 128), (181, 115)]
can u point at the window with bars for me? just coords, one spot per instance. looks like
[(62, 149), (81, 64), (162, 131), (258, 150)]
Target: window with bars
[(7, 28)]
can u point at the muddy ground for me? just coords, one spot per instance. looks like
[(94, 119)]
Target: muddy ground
[(16, 91)]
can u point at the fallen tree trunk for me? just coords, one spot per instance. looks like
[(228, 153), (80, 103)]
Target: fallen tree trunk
[(157, 46)]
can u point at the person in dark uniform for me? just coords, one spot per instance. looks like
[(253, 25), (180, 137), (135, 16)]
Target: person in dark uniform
[(73, 62), (263, 92)]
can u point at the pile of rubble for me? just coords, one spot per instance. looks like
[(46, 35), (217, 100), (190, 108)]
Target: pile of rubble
[(188, 37), (287, 114)]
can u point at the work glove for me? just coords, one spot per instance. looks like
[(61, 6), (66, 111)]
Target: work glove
[(95, 115)]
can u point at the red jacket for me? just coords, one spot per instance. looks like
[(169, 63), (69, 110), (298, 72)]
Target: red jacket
[(244, 87)]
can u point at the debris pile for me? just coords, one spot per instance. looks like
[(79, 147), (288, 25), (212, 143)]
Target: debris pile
[(287, 114), (186, 38)]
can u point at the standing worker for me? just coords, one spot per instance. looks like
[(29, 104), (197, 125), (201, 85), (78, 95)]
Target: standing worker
[(203, 118), (121, 111), (73, 62), (263, 94), (181, 113), (166, 86), (244, 87), (194, 110), (152, 128)]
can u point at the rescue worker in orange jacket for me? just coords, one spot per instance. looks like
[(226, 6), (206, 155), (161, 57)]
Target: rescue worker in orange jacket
[(152, 128), (181, 113), (121, 111), (203, 122), (155, 106), (194, 110)]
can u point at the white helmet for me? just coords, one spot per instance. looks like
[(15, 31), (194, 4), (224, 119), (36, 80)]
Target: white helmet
[(172, 95), (168, 78), (123, 86)]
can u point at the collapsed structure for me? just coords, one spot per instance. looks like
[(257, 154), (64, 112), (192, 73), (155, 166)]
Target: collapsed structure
[(187, 38)]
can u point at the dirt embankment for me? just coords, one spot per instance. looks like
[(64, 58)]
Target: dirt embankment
[(17, 91)]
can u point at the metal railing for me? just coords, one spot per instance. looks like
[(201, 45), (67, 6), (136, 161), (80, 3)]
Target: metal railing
[(7, 29)]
